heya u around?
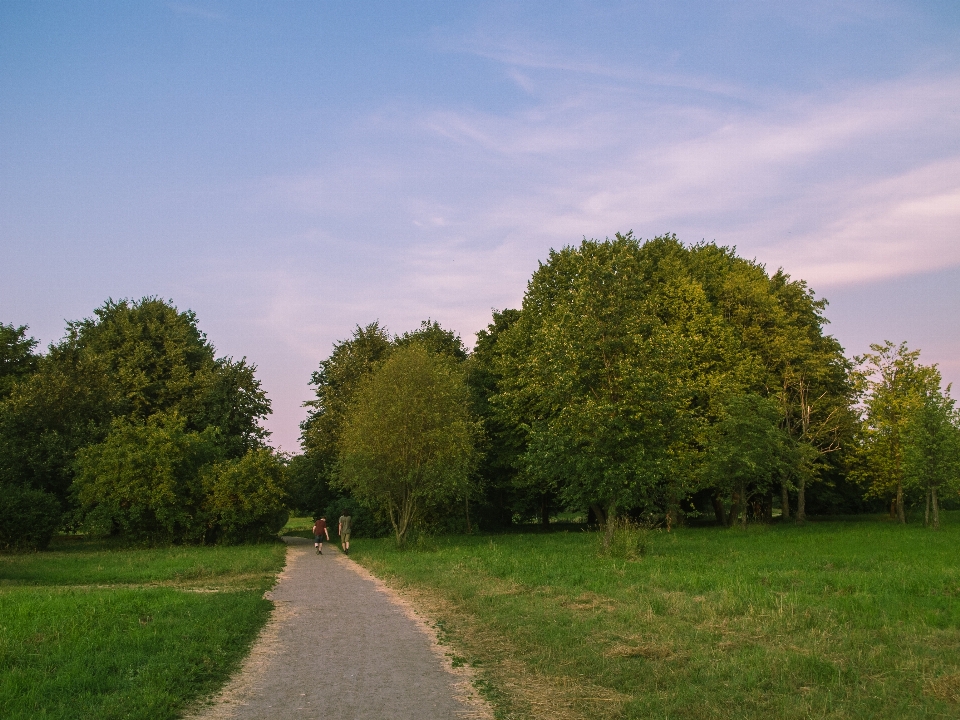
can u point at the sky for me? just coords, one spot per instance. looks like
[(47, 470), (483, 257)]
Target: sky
[(291, 170)]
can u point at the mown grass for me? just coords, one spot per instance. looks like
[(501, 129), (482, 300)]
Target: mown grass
[(831, 620), (95, 630)]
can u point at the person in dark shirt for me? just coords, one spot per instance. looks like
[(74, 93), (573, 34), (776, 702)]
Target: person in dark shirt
[(319, 533)]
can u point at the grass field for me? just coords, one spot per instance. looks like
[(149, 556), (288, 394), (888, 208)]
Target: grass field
[(831, 620), (94, 630)]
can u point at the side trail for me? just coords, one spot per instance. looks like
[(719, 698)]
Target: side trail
[(341, 645)]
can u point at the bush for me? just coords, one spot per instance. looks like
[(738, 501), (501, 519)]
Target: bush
[(363, 522), (143, 481), (28, 518), (245, 498)]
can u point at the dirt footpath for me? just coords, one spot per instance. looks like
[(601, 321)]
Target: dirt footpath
[(340, 645)]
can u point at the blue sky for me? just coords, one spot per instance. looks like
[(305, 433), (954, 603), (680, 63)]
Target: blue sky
[(289, 170)]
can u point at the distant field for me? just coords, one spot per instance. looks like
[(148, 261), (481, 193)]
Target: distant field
[(93, 630), (832, 620)]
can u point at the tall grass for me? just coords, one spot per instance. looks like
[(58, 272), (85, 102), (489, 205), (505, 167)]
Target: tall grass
[(833, 620)]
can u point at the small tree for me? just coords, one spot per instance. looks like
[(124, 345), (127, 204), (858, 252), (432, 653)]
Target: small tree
[(246, 498), (931, 451), (748, 451), (409, 436), (895, 385)]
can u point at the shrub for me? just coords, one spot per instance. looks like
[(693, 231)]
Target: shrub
[(143, 481), (245, 498), (363, 522), (28, 518)]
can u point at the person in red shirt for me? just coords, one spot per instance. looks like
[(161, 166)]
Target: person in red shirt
[(319, 533)]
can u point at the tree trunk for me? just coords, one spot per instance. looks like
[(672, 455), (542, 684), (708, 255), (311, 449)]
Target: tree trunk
[(544, 511), (598, 513), (719, 511), (784, 502), (936, 508), (802, 500), (768, 507), (901, 516), (926, 512), (744, 504), (611, 515)]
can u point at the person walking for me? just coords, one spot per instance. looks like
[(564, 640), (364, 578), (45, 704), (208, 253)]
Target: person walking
[(319, 532), (343, 530)]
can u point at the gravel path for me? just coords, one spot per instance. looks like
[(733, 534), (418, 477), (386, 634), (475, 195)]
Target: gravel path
[(341, 645)]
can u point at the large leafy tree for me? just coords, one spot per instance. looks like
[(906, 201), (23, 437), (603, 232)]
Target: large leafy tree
[(335, 383), (783, 353), (626, 354), (604, 369), (132, 360), (408, 441), (505, 492)]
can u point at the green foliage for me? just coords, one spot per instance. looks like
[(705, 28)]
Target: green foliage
[(131, 361), (364, 522), (931, 451), (408, 440), (435, 339), (896, 387), (748, 451), (17, 359), (502, 493), (335, 383), (625, 353), (28, 518), (144, 480), (246, 497)]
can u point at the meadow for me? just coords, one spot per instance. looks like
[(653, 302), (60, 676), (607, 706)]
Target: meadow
[(857, 619), (98, 630)]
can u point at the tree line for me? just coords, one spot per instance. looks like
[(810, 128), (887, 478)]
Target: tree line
[(132, 426), (638, 379)]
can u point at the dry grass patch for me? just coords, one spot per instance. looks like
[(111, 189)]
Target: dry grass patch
[(946, 688), (591, 601)]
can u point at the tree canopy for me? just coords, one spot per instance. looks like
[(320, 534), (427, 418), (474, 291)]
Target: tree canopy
[(409, 436)]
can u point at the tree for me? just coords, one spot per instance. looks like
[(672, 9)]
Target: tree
[(131, 360), (895, 386), (749, 451), (505, 493), (245, 498), (335, 382), (435, 339), (17, 358), (409, 436), (608, 371), (931, 451)]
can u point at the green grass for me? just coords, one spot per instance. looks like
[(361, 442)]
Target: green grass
[(95, 630), (831, 620)]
